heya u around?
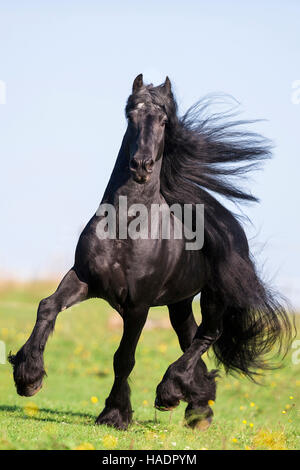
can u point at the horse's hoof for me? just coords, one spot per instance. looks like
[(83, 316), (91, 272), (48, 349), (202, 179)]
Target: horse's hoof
[(114, 418), (28, 372), (167, 396), (159, 405), (164, 408), (29, 390), (202, 425), (198, 418)]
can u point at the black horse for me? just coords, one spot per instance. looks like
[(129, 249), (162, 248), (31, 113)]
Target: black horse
[(169, 160)]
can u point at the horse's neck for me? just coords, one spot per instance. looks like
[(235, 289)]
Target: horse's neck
[(122, 184)]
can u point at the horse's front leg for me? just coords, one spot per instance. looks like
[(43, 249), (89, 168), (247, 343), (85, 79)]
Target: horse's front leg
[(28, 364), (118, 411), (188, 379)]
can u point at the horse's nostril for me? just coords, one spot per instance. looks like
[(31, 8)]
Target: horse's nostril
[(142, 164), (134, 164), (148, 165)]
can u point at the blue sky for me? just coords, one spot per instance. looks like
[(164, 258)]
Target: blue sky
[(68, 67)]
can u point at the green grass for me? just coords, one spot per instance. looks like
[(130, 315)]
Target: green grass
[(79, 365)]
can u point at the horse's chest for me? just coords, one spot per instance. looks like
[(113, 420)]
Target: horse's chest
[(147, 272), (131, 272)]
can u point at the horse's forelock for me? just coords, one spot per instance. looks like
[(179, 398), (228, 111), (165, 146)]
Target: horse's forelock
[(155, 96)]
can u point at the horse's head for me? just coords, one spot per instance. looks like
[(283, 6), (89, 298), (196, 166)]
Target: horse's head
[(147, 114)]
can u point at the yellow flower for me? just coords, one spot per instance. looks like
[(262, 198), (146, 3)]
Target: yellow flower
[(78, 350), (287, 407), (251, 425), (145, 402), (234, 440), (162, 348), (244, 421), (283, 412), (149, 435), (109, 441), (94, 400), (4, 332), (86, 354), (211, 402), (242, 408), (248, 448), (272, 440), (252, 404), (85, 446), (291, 397), (31, 409)]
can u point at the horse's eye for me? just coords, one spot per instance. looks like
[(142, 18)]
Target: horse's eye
[(164, 122)]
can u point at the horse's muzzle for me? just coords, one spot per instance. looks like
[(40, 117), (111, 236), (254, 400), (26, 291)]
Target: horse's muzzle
[(140, 178), (141, 169)]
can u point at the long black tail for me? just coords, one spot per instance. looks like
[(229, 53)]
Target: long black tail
[(256, 325)]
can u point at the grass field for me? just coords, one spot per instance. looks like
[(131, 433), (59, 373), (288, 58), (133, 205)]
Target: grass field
[(79, 365)]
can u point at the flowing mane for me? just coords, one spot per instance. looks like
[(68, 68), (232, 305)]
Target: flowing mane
[(202, 151), (202, 154), (206, 154)]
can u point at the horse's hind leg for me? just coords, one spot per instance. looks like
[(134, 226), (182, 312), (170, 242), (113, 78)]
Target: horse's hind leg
[(28, 363), (183, 322), (187, 379), (118, 411)]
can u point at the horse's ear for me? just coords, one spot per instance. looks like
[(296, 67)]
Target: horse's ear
[(138, 83), (167, 86)]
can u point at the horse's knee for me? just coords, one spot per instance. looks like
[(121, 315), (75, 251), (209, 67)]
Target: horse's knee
[(47, 309)]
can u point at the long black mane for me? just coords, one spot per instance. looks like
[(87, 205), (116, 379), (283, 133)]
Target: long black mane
[(202, 151), (206, 154)]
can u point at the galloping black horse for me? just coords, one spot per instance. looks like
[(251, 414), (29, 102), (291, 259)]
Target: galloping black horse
[(165, 159)]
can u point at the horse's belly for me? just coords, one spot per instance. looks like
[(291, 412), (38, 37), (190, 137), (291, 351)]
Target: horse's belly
[(166, 275), (186, 282)]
